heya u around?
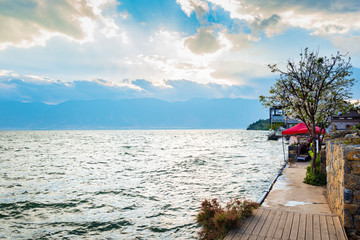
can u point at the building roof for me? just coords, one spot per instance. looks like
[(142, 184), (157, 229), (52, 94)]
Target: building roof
[(351, 114)]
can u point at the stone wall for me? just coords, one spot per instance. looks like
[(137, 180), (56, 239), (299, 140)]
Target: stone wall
[(343, 185)]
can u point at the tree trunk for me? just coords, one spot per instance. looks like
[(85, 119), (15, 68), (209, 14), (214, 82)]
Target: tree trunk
[(314, 148)]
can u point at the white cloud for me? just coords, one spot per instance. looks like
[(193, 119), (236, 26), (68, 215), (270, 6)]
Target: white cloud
[(203, 42), (349, 44), (9, 73), (239, 72), (197, 6), (5, 72), (124, 15), (322, 17), (239, 41), (34, 22)]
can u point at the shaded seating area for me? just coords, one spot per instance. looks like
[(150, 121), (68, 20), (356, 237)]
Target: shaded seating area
[(299, 143)]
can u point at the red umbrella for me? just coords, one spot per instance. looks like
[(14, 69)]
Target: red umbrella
[(299, 129)]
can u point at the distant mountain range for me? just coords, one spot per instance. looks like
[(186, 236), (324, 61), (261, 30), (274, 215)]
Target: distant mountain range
[(131, 114)]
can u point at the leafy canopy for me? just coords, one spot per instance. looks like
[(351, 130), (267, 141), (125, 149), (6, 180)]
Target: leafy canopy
[(313, 89)]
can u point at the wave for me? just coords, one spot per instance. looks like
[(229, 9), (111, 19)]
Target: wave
[(27, 205)]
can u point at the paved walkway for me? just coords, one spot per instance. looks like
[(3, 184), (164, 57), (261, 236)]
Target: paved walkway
[(292, 210)]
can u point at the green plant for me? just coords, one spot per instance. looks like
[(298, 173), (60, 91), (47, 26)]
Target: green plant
[(315, 177), (276, 125), (217, 221), (351, 141)]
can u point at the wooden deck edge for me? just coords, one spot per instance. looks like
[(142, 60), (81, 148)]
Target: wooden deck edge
[(241, 231), (297, 211)]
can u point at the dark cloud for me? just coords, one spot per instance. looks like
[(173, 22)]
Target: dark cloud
[(30, 90), (273, 20), (173, 90)]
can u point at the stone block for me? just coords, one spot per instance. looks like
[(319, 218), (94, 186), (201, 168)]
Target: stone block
[(352, 208), (352, 181), (355, 167), (356, 197), (348, 167), (348, 219), (351, 234), (357, 222), (348, 195), (353, 155)]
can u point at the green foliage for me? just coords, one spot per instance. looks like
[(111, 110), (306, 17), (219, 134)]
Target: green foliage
[(316, 177), (277, 125), (259, 125), (356, 127), (217, 221), (351, 141)]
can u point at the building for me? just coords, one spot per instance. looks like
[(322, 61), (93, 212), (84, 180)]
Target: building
[(345, 121), (278, 115)]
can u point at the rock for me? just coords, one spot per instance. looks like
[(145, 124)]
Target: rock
[(348, 195), (353, 135)]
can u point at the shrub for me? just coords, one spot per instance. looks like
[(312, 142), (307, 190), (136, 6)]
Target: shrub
[(316, 178), (217, 221)]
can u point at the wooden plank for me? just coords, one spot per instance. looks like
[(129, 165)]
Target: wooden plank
[(323, 228), (245, 237), (302, 227), (247, 222), (309, 227), (231, 234), (237, 237), (241, 237), (316, 227), (270, 219), (254, 221), (339, 229), (252, 237), (287, 229), (331, 228), (274, 224), (295, 226), (260, 223), (260, 238), (280, 228)]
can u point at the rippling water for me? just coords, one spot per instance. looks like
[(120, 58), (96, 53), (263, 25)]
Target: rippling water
[(125, 184)]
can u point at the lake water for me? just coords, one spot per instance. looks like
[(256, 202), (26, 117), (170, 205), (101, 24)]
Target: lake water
[(125, 184)]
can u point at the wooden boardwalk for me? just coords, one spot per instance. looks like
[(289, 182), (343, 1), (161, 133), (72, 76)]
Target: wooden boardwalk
[(272, 224)]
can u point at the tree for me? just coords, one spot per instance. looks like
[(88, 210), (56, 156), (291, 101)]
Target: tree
[(312, 90)]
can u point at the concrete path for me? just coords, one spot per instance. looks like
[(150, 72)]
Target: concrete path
[(290, 193)]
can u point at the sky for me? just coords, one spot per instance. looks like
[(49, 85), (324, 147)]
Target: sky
[(174, 50)]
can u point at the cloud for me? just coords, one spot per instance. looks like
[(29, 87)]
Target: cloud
[(197, 6), (321, 17), (347, 44), (239, 72), (54, 92), (239, 41), (203, 42), (34, 22)]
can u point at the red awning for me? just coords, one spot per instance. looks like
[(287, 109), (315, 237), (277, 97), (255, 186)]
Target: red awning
[(299, 129)]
